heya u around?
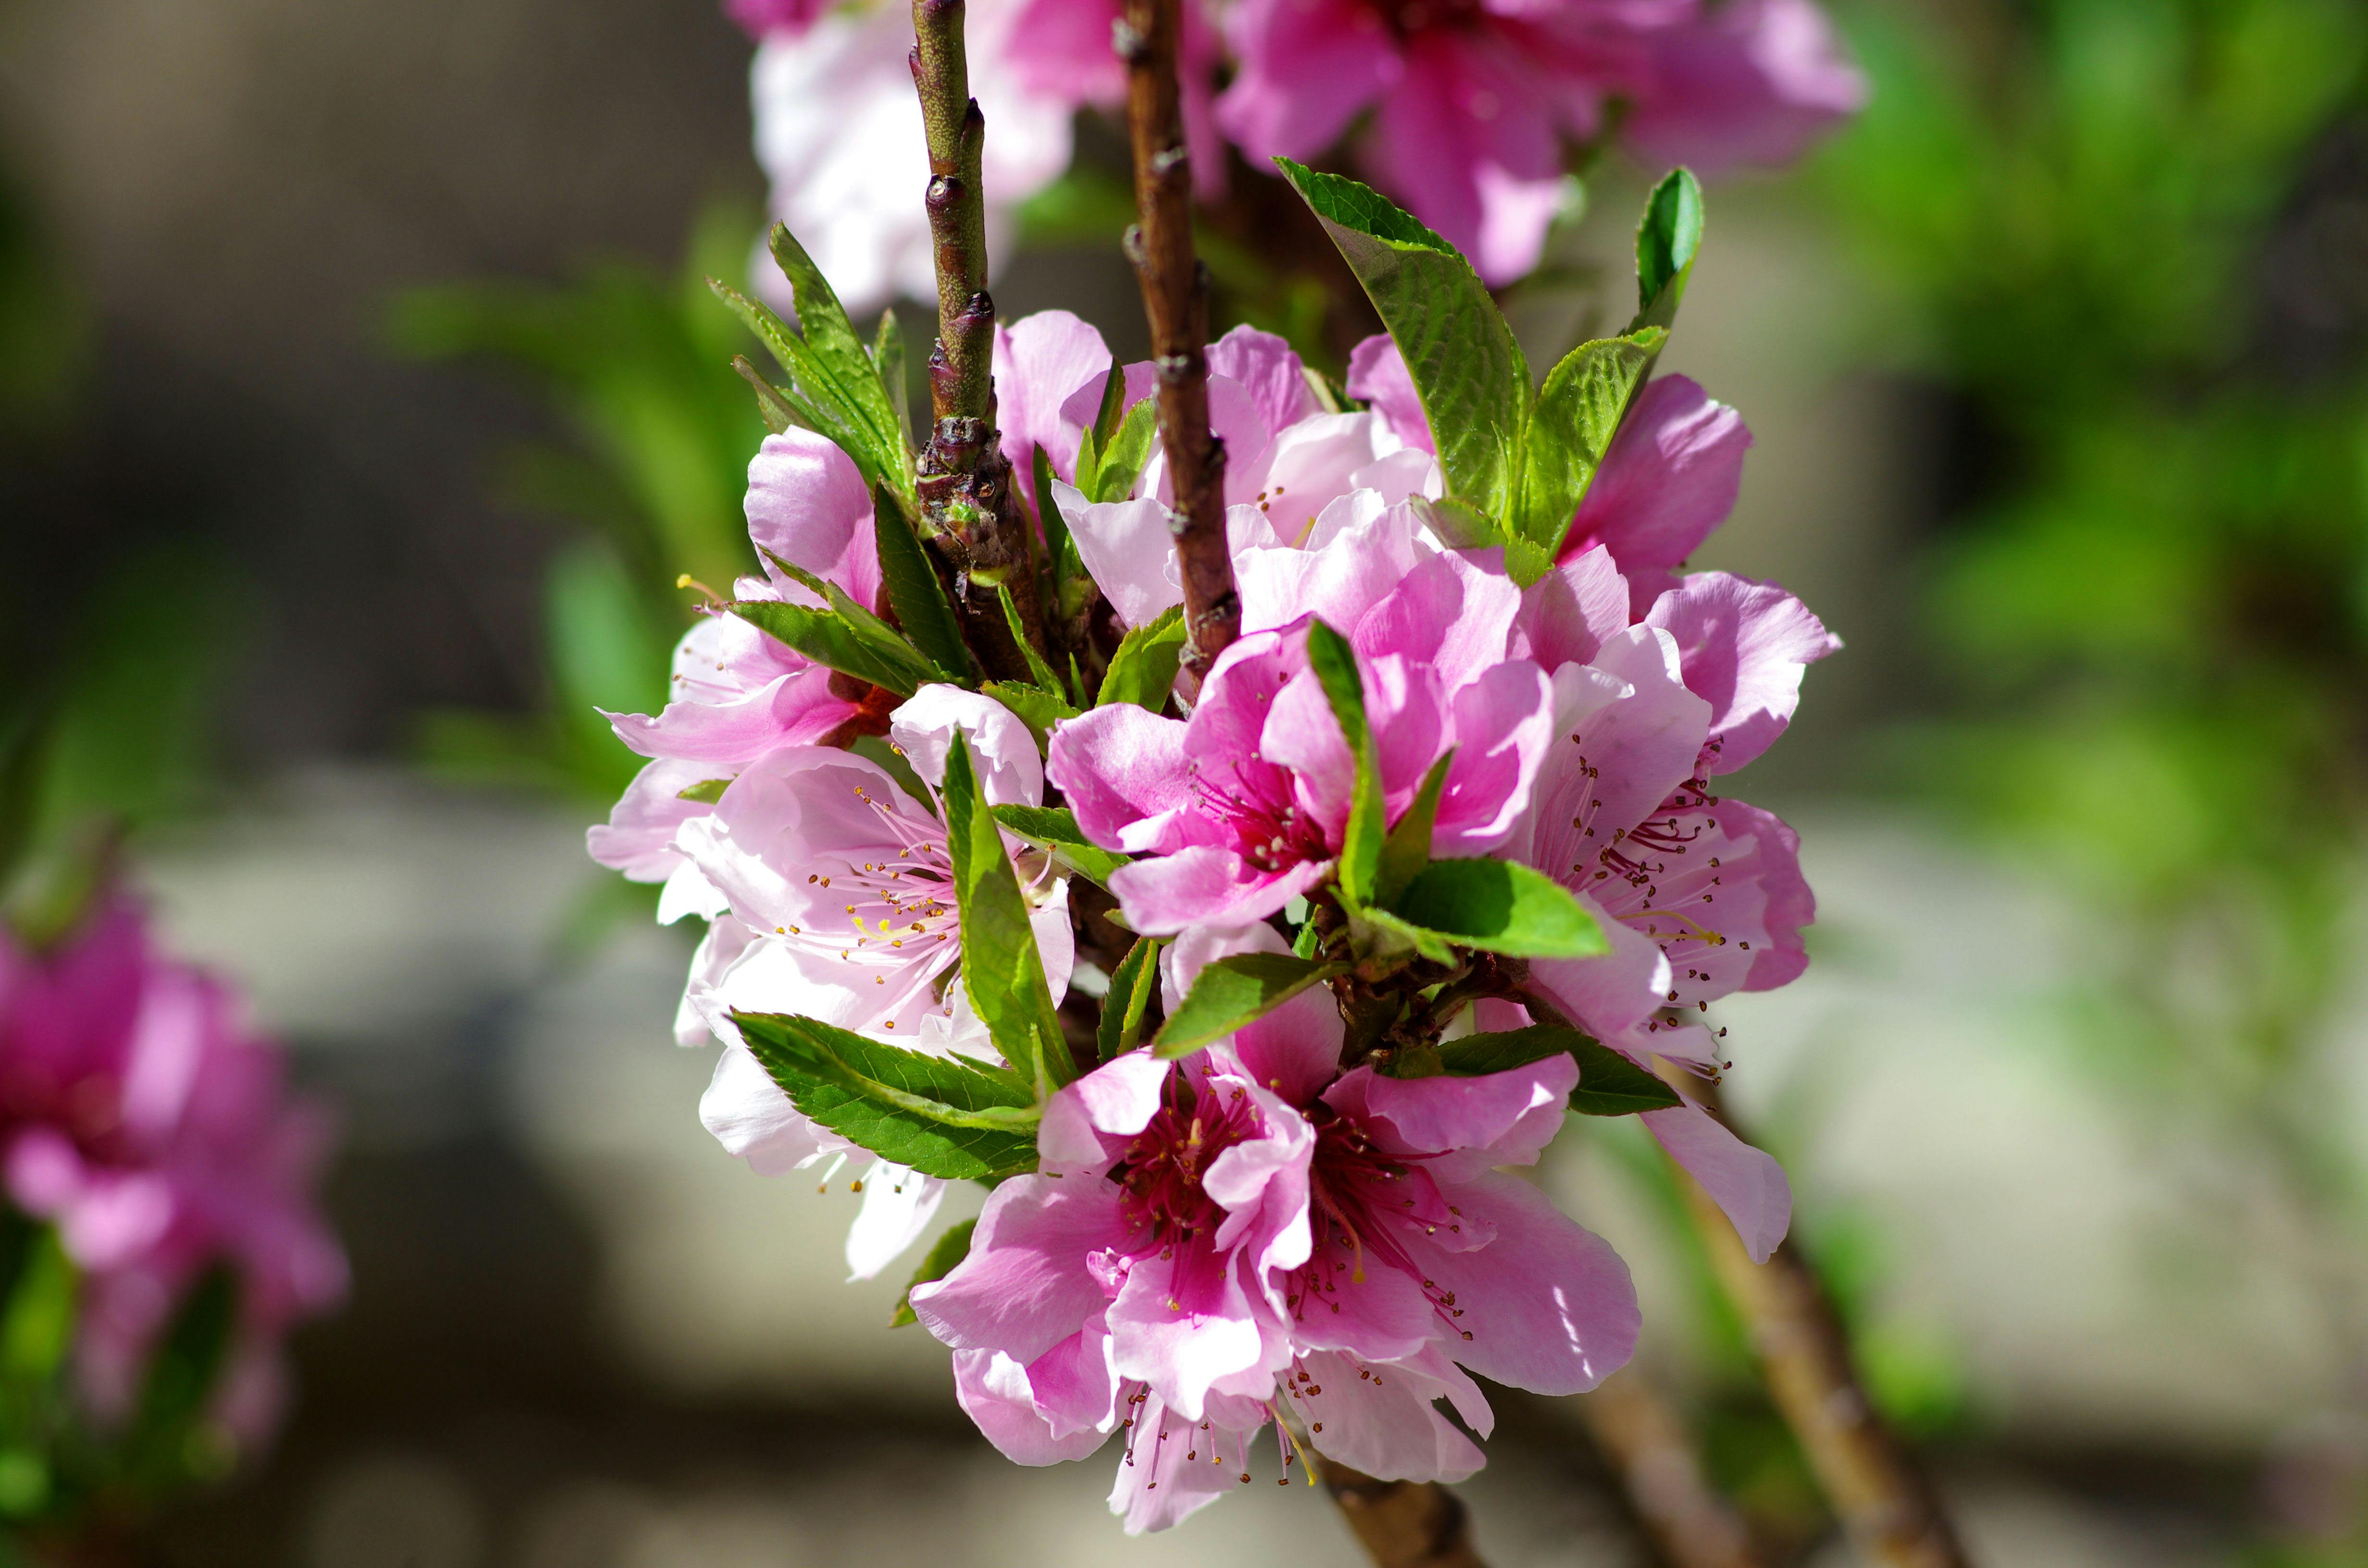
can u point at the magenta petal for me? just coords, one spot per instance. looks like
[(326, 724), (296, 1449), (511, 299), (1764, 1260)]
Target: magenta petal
[(1743, 647), (1572, 611), (1039, 360), (1548, 1304), (1205, 885), (1305, 71), (1384, 1422), (1504, 731), (1119, 1098), (1180, 1323), (808, 505), (792, 709), (1788, 904), (1378, 375), (1748, 1183), (1382, 1317), (1117, 764), (1670, 478), (993, 1391), (1271, 374), (1615, 992), (1499, 1119), (1025, 1286), (1752, 82)]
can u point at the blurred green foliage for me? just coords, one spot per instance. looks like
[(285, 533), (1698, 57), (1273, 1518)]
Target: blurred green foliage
[(2127, 240), (639, 366)]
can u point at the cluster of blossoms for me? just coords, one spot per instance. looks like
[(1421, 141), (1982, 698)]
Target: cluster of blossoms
[(1284, 1226), (1466, 111), (140, 1118)]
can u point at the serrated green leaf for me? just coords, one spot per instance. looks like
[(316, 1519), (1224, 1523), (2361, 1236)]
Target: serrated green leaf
[(1579, 410), (1502, 907), (1132, 986), (838, 374), (1121, 463), (781, 411), (1055, 828), (888, 362), (1236, 991), (1408, 849), (943, 1259), (1667, 242), (1335, 664), (883, 641), (706, 792), (1032, 706), (825, 637), (914, 591), (943, 1118), (1466, 367), (1001, 969), (1143, 671)]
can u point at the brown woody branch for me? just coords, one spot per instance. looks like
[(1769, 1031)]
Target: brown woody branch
[(1883, 1499), (1401, 1524), (1646, 1441), (969, 514), (1176, 298)]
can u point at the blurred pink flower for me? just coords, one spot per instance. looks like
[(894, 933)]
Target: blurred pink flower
[(139, 1116), (1473, 102), (1212, 1241), (763, 18)]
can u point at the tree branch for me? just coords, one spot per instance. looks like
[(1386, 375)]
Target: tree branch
[(968, 513), (1646, 1441), (1176, 298), (1401, 1524), (1874, 1484)]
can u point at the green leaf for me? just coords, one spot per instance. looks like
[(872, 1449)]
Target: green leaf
[(1000, 968), (943, 1259), (37, 1326), (1122, 461), (1046, 676), (1408, 849), (1578, 412), (1611, 1084), (914, 589), (1055, 828), (781, 411), (1032, 705), (838, 374), (1143, 671), (706, 792), (1073, 587), (182, 1374), (1132, 986), (1502, 907), (883, 640), (1235, 991), (942, 1117), (1107, 417), (1467, 368), (826, 638), (888, 362), (1335, 664), (1667, 242)]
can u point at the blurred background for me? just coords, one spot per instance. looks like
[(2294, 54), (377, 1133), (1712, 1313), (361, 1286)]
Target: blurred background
[(360, 400)]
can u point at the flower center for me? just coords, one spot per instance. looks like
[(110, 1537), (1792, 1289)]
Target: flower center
[(1162, 1169), (1358, 1199), (1270, 830), (894, 909), (1407, 17)]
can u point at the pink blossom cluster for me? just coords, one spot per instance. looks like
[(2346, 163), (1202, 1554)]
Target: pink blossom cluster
[(1466, 112), (142, 1117), (1255, 1234)]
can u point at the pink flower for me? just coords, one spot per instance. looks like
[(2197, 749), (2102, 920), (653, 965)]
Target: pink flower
[(1700, 896), (1211, 1242), (835, 902), (1241, 808), (1473, 101), (763, 18), (139, 1115)]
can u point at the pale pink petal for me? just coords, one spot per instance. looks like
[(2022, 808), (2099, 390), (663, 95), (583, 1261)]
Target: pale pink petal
[(898, 1205), (1752, 82), (1382, 1420), (1025, 1287), (808, 505), (1473, 1124), (1748, 1183), (1269, 371), (1378, 376), (992, 1390), (1117, 764), (1040, 359), (1125, 547), (1743, 647), (1003, 751), (1568, 614), (1670, 477)]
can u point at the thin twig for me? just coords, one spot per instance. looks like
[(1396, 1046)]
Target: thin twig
[(969, 514), (1883, 1499), (1401, 1524), (1646, 1441), (1176, 298)]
